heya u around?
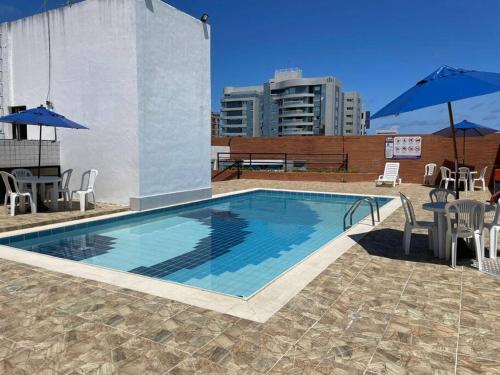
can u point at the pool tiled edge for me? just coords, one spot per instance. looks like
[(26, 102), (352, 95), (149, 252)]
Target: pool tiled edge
[(258, 308)]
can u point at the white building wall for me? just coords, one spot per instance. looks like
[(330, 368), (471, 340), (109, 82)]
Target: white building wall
[(93, 82), (137, 73), (173, 70)]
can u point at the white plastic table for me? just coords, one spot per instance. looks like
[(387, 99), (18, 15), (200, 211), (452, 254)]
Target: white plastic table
[(34, 181), (440, 217)]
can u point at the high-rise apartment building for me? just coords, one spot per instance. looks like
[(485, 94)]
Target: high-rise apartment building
[(240, 111), (294, 105), (352, 113), (289, 104), (365, 122)]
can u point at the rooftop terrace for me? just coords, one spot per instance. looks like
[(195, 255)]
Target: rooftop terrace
[(373, 311)]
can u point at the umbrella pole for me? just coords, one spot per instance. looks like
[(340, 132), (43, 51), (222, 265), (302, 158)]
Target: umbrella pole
[(463, 154), (455, 153), (39, 150)]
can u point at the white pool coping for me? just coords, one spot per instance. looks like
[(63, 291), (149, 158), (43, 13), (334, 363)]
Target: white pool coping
[(259, 308)]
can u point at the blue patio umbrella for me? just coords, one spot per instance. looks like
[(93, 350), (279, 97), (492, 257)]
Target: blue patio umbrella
[(444, 85), (41, 116), (468, 129)]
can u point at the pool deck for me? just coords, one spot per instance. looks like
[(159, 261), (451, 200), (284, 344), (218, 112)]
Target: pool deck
[(28, 220), (371, 311)]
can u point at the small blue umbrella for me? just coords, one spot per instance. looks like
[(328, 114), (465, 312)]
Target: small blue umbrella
[(468, 129), (444, 85), (41, 116)]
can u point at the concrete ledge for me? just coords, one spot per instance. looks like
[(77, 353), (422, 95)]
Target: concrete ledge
[(161, 200)]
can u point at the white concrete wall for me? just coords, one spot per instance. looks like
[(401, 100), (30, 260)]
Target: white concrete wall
[(173, 62), (137, 73), (94, 82)]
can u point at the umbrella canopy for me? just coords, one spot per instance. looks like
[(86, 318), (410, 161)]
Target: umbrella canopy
[(444, 85), (41, 116), (467, 129)]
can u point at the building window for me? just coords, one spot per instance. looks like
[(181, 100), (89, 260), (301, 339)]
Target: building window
[(349, 108), (349, 100), (348, 116), (19, 131)]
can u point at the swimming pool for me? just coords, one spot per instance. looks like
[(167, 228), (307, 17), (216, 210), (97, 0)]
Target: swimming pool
[(235, 245)]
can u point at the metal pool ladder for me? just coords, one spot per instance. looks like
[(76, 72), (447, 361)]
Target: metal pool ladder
[(370, 201)]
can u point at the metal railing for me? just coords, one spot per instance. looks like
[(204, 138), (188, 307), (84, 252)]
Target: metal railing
[(350, 212), (283, 161), (236, 164)]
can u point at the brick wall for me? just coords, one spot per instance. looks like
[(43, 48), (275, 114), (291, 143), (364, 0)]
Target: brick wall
[(366, 153)]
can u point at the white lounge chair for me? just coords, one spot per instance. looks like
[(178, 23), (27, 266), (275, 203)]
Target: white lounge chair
[(391, 175), (13, 192), (429, 172), (86, 188), (412, 223)]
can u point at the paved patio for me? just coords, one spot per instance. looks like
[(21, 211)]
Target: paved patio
[(372, 311), (28, 220)]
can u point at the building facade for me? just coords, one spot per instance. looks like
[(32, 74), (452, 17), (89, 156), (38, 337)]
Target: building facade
[(352, 113), (365, 122), (112, 69), (289, 104), (240, 112), (214, 124)]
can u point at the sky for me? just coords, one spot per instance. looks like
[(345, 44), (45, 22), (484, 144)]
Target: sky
[(379, 48)]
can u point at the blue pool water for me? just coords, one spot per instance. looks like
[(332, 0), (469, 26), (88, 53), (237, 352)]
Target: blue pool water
[(234, 245)]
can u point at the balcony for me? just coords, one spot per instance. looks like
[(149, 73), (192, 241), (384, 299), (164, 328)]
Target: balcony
[(234, 126), (302, 95), (241, 108), (296, 123), (298, 104), (240, 134), (240, 117), (297, 132), (297, 114)]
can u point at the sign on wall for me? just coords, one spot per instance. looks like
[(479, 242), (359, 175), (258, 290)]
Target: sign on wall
[(405, 147)]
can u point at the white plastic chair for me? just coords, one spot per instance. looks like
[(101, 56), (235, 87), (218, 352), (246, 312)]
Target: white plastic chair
[(494, 229), (446, 177), (429, 173), (21, 172), (63, 187), (480, 178), (391, 175), (442, 195), (412, 223), (465, 219), (463, 176), (86, 188), (13, 192)]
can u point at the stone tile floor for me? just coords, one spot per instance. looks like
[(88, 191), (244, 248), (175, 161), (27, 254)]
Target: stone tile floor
[(372, 311), (28, 220)]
